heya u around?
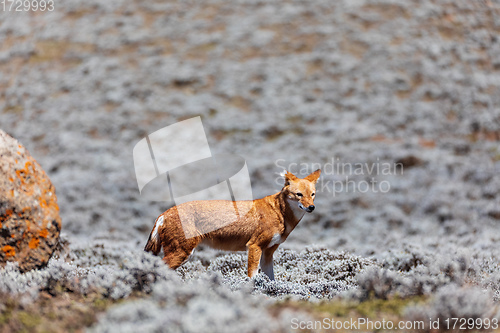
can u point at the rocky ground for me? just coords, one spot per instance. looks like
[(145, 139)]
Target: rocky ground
[(406, 94)]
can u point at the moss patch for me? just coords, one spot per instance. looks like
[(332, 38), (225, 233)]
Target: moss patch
[(341, 310), (64, 312), (371, 308)]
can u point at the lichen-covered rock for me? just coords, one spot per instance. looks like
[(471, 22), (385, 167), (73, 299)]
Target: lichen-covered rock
[(29, 214)]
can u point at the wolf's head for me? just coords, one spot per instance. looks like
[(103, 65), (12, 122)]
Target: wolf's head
[(302, 191)]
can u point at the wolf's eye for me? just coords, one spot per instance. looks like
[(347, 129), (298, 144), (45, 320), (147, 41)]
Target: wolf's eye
[(312, 195), (299, 194)]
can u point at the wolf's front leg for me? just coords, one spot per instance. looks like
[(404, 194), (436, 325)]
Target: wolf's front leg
[(254, 254), (266, 261)]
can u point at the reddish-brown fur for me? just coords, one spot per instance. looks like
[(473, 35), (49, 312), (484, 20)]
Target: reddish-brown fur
[(267, 223)]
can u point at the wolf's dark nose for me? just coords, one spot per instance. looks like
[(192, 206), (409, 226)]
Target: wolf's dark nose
[(310, 208)]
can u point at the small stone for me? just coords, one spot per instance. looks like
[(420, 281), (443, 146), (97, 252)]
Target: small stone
[(494, 213), (409, 161), (29, 214)]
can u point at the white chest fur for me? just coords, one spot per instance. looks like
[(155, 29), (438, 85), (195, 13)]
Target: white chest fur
[(277, 239), (298, 213)]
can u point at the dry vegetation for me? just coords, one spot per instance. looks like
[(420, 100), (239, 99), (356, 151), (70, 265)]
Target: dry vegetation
[(413, 82)]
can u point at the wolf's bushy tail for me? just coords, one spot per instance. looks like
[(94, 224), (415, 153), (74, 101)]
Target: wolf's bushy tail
[(154, 243)]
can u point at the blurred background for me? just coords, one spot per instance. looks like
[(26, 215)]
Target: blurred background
[(413, 83)]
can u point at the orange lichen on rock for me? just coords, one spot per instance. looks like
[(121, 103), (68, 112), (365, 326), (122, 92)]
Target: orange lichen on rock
[(9, 251), (24, 174), (20, 174), (30, 221), (44, 233), (34, 242), (43, 203)]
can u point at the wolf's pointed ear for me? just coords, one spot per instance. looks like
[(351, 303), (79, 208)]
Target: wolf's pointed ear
[(313, 177), (288, 177)]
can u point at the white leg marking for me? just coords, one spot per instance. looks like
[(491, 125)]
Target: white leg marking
[(158, 224), (267, 267)]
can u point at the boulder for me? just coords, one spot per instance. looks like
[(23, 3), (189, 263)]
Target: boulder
[(29, 214)]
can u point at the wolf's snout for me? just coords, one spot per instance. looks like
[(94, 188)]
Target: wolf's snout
[(310, 208)]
